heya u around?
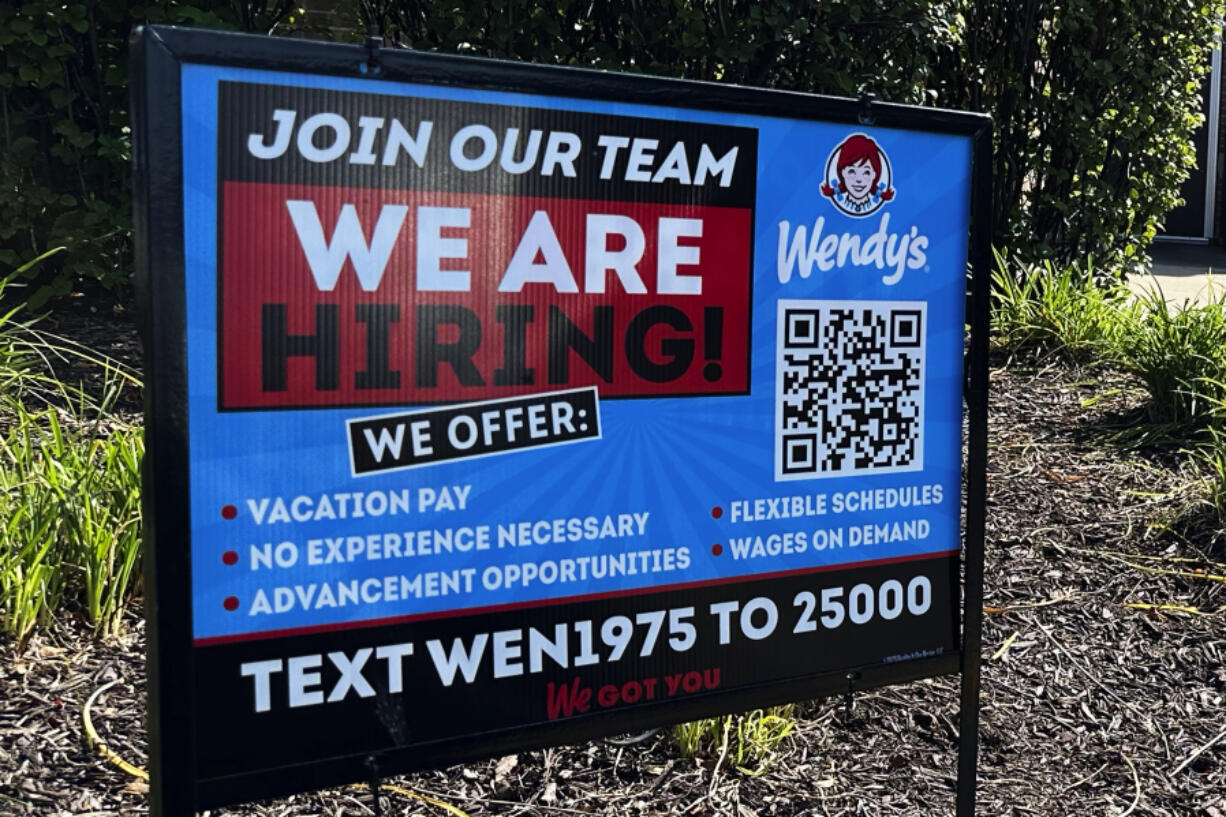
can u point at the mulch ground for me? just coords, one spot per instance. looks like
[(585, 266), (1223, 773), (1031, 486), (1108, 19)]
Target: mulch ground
[(1104, 682)]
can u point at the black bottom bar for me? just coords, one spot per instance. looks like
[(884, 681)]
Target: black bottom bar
[(285, 715)]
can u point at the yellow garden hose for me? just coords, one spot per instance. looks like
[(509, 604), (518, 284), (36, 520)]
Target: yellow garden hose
[(414, 795), (95, 742)]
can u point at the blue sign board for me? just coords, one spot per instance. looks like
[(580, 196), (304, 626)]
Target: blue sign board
[(840, 328), (518, 407)]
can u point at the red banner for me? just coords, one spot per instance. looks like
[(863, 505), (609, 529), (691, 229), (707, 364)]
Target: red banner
[(342, 296)]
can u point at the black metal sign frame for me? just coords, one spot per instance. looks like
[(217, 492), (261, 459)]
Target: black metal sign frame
[(159, 53)]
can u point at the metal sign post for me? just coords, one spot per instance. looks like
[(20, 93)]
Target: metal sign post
[(492, 406), (976, 471)]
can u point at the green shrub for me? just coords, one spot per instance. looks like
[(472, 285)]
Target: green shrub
[(842, 47), (1095, 102), (1063, 312), (64, 137)]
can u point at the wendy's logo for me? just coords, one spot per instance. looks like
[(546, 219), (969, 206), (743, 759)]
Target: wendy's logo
[(858, 179)]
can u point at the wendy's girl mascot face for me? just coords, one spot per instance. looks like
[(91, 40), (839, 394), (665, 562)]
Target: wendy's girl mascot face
[(858, 178)]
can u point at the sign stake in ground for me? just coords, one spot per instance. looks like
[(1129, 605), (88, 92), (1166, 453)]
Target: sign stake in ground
[(493, 406)]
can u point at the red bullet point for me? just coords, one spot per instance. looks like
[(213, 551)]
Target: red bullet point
[(229, 557), (717, 550), (717, 512), (229, 512), (231, 603)]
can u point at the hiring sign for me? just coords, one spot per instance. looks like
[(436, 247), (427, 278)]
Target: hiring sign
[(495, 406)]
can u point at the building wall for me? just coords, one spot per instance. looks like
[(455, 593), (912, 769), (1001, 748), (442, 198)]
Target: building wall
[(1219, 190)]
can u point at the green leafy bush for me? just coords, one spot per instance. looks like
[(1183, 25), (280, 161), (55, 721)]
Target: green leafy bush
[(64, 138), (1095, 102), (843, 47)]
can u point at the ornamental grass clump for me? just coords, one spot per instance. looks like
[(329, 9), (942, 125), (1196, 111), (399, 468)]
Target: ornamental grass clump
[(69, 488), (1179, 354), (747, 743), (70, 505), (1067, 312), (1213, 465)]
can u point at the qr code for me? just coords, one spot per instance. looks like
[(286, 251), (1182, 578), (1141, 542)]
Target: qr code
[(850, 388)]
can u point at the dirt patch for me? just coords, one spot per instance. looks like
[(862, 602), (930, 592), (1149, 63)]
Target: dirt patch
[(1104, 684)]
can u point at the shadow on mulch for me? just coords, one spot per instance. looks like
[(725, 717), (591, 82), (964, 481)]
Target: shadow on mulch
[(1104, 684)]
